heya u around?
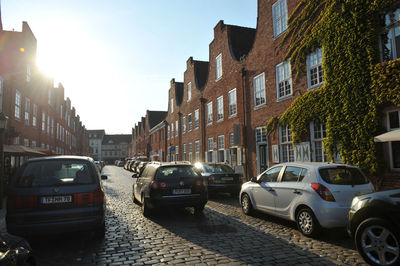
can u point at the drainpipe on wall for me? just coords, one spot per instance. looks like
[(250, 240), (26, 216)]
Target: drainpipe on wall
[(203, 128), (245, 125)]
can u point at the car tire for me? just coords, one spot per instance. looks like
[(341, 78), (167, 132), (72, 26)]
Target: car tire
[(198, 209), (307, 223), (245, 202), (374, 237), (100, 232), (134, 199), (145, 207)]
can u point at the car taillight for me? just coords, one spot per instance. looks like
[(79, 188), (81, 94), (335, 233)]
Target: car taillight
[(22, 202), (201, 183), (96, 196), (323, 192), (158, 184)]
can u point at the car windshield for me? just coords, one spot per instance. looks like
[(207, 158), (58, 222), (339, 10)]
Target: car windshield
[(217, 168), (176, 172), (55, 173), (343, 176)]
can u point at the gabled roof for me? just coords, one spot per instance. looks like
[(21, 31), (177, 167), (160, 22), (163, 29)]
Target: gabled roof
[(116, 139), (201, 74), (179, 92), (241, 40), (155, 117)]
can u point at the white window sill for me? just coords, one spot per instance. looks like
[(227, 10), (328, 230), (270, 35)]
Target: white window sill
[(218, 79), (260, 106), (221, 120), (280, 34), (232, 116), (315, 86), (284, 98)]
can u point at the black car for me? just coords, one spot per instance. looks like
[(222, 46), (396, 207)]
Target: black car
[(56, 194), (221, 178), (15, 251), (374, 224), (170, 184)]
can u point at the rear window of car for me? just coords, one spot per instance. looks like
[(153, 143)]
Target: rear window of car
[(176, 172), (217, 168), (54, 173), (343, 176)]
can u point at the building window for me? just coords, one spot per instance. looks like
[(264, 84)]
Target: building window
[(259, 90), (196, 119), (16, 141), (220, 108), (172, 130), (189, 122), (26, 142), (28, 73), (390, 39), (231, 139), (284, 80), (27, 110), (394, 146), (34, 143), (189, 91), (287, 153), (218, 67), (1, 94), (221, 148), (34, 116), (232, 103), (52, 127), (184, 125), (48, 124), (197, 150), (17, 113), (315, 73), (43, 121), (176, 128), (260, 135), (209, 113), (172, 105), (318, 133), (210, 144), (190, 152), (280, 16), (168, 132), (184, 152)]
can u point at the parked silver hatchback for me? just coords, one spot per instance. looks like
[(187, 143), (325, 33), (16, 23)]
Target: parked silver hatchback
[(314, 195)]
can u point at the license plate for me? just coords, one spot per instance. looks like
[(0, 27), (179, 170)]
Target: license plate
[(227, 178), (181, 191), (55, 199)]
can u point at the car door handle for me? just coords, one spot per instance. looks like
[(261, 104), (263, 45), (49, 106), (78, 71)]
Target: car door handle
[(297, 192)]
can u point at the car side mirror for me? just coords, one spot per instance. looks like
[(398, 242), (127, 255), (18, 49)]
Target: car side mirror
[(104, 177), (253, 179), (134, 175)]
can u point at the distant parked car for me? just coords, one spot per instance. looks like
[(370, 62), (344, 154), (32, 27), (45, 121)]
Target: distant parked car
[(221, 178), (120, 163), (170, 184), (140, 167), (314, 195), (374, 225), (56, 194), (15, 251)]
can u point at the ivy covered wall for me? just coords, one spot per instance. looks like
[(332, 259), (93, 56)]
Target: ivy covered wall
[(356, 86)]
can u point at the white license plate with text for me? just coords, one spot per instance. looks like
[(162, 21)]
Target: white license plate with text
[(181, 191), (55, 199)]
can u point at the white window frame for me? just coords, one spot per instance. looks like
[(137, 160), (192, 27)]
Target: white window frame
[(172, 106), (27, 110), (318, 154), (210, 144), (232, 103), (389, 128), (391, 25), (17, 109), (260, 135), (259, 90), (189, 91), (218, 67), (34, 115), (279, 17), (209, 113), (43, 121), (284, 77), (196, 119), (197, 150), (220, 108), (172, 130), (176, 128), (190, 152), (190, 122), (286, 145), (314, 64), (168, 132), (184, 125)]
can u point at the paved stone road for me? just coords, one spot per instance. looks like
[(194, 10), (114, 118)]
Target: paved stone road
[(223, 235)]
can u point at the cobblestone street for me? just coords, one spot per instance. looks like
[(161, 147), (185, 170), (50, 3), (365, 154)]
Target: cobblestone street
[(223, 235)]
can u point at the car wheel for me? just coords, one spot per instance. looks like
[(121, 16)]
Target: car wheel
[(378, 242), (245, 202), (134, 199), (198, 209), (145, 207), (307, 223), (100, 232)]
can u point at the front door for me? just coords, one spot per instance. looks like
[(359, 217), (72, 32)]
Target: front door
[(263, 157)]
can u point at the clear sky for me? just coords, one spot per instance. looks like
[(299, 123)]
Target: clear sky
[(116, 58)]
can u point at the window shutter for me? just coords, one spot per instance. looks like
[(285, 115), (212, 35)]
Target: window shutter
[(228, 156)]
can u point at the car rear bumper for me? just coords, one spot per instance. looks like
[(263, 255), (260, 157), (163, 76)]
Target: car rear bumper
[(234, 188), (181, 200), (331, 215)]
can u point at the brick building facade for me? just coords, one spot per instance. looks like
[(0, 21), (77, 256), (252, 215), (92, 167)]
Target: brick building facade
[(39, 115), (247, 67)]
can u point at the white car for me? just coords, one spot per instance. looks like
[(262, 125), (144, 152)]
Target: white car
[(314, 195)]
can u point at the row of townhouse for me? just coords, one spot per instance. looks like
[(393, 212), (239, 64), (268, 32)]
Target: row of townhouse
[(39, 115), (220, 110), (108, 148)]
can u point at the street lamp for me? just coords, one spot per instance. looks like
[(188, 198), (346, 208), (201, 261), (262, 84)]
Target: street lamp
[(3, 126)]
